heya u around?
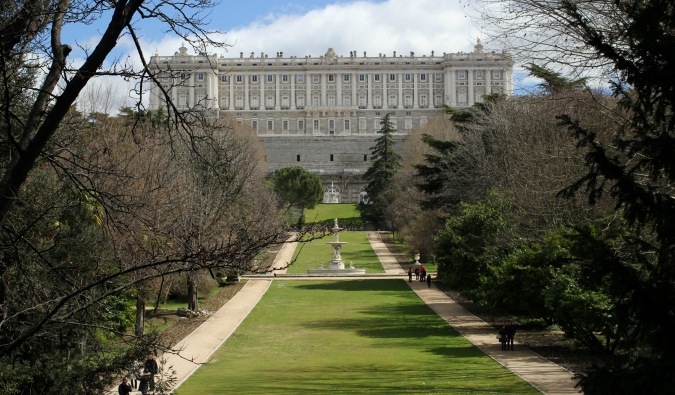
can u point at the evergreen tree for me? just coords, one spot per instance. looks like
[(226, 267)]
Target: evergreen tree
[(297, 188), (634, 41), (553, 81), (386, 162), (452, 160)]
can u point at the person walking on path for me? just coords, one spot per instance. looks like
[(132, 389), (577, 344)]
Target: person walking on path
[(510, 333), (423, 274), (125, 387), (134, 372), (417, 273), (152, 368), (503, 334), (409, 275), (429, 281), (144, 382)]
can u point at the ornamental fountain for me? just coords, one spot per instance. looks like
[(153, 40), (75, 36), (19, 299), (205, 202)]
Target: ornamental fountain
[(336, 265)]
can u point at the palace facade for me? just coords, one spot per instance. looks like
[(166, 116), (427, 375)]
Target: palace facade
[(323, 113)]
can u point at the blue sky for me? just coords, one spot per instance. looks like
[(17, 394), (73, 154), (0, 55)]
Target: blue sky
[(309, 27)]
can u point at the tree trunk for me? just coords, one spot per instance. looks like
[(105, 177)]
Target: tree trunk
[(193, 302), (141, 297)]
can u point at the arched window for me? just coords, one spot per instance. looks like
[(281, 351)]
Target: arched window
[(331, 194), (363, 196)]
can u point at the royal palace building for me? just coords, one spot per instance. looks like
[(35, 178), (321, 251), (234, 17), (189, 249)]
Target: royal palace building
[(323, 113)]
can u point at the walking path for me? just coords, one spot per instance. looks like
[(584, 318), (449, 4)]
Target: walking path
[(285, 255), (388, 260), (198, 347), (541, 373)]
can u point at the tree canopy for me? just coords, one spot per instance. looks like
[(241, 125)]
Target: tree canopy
[(297, 187), (386, 162)]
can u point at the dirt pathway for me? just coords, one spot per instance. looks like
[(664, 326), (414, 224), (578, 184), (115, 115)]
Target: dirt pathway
[(388, 261)]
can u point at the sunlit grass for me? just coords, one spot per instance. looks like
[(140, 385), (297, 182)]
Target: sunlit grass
[(325, 214), (357, 249), (359, 336)]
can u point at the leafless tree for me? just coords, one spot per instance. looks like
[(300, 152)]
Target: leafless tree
[(520, 146), (543, 32)]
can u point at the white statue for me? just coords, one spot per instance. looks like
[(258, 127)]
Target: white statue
[(321, 265), (351, 264)]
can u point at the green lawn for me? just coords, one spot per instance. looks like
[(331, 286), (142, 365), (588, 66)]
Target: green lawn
[(325, 214), (357, 250), (359, 336)]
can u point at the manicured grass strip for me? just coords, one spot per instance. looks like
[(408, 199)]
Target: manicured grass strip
[(325, 214), (357, 250), (358, 336)]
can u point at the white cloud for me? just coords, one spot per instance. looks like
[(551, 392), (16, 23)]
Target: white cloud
[(394, 25)]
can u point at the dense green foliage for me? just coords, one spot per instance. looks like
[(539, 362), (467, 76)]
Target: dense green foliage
[(76, 251), (297, 187), (641, 270), (560, 280), (386, 162), (553, 81), (599, 267), (372, 336), (475, 240)]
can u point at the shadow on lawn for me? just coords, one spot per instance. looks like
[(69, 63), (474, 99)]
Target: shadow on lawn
[(414, 322), (397, 285), (345, 222)]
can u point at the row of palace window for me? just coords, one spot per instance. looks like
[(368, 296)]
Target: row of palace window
[(392, 102), (496, 74), (331, 77), (332, 157), (316, 124)]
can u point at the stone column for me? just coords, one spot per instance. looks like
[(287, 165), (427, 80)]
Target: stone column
[(230, 105), (415, 91), (247, 105), (453, 89), (488, 82), (471, 91), (447, 99), (354, 96), (174, 91), (370, 91), (385, 97), (399, 101), (308, 98), (263, 97), (277, 92), (338, 99), (508, 82), (323, 89), (214, 94), (292, 76), (430, 99), (191, 90)]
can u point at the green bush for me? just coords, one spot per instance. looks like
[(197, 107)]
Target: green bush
[(480, 237)]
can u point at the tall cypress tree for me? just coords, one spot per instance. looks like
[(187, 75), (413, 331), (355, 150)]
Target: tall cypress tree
[(386, 162)]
